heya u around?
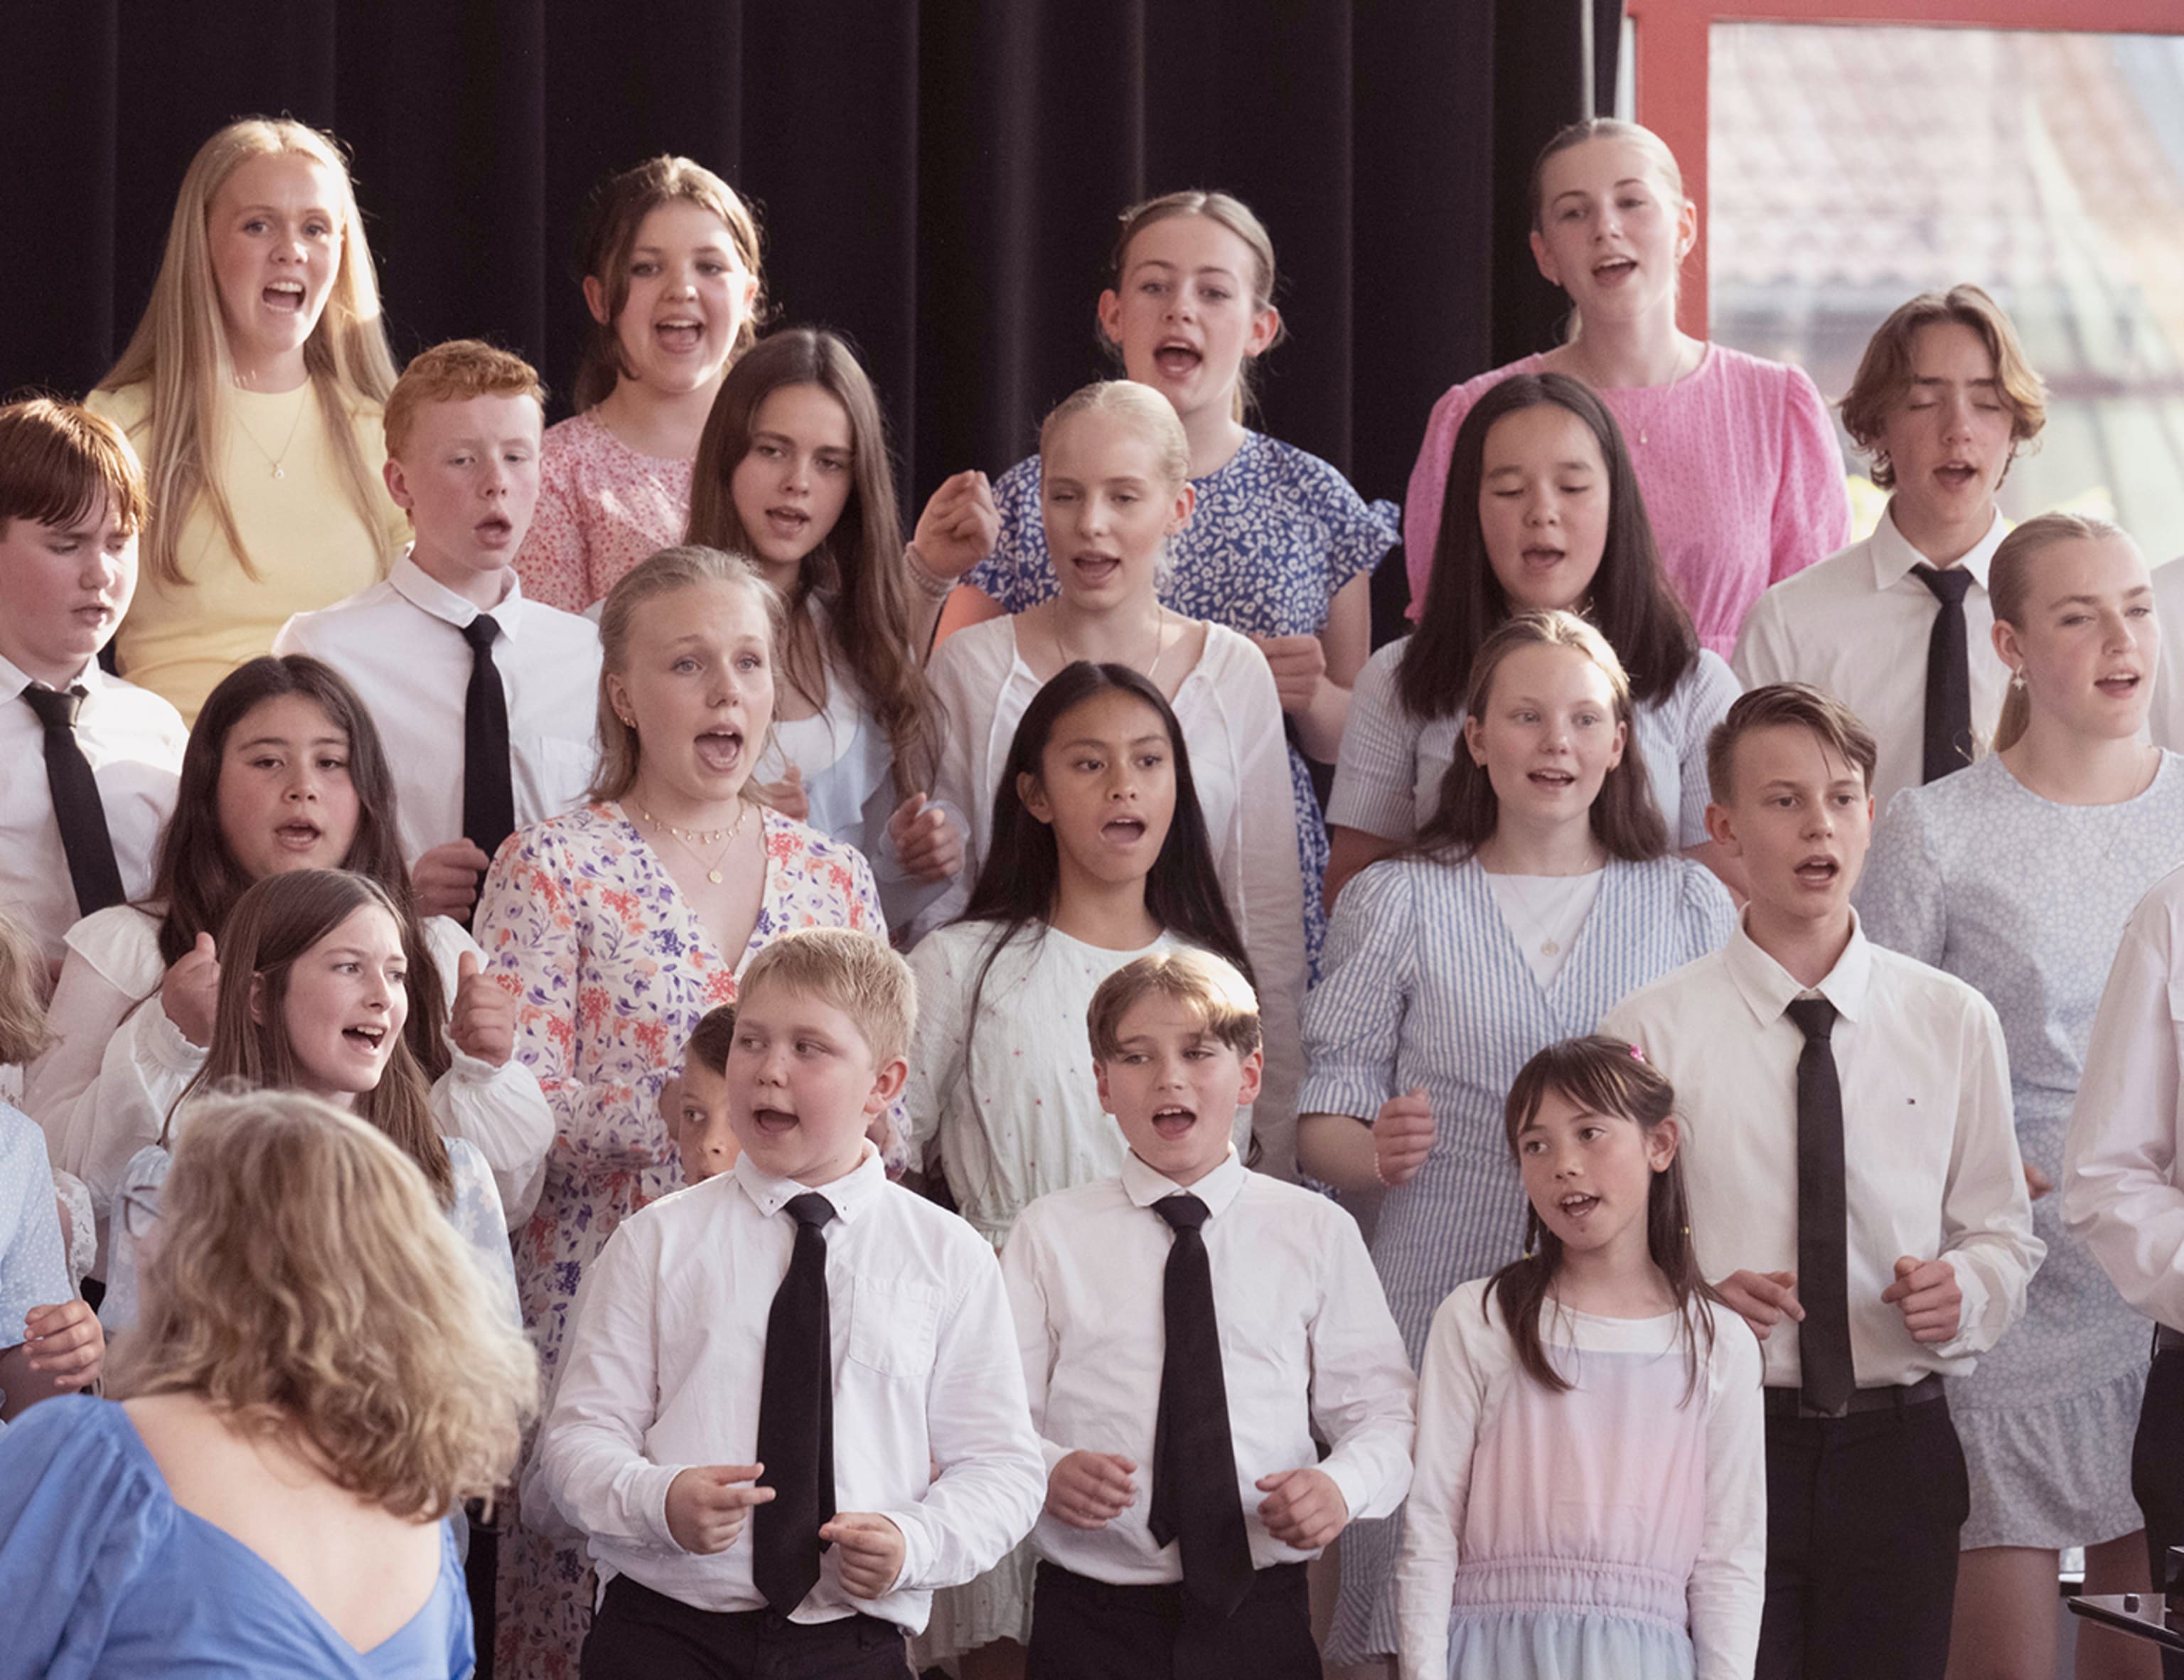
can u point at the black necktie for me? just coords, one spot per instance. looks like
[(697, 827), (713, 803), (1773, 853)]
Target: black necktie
[(90, 848), (488, 792), (1195, 1499), (1823, 1220), (796, 1418), (1948, 674)]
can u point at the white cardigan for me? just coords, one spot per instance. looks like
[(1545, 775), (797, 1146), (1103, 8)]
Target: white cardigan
[(1231, 716), (103, 1090)]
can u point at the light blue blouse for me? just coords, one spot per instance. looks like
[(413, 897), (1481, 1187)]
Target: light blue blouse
[(33, 1269), (105, 1575)]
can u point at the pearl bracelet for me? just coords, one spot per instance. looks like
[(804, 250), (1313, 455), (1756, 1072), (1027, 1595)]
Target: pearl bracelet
[(928, 580)]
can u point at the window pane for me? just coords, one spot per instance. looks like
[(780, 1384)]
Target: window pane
[(1853, 165)]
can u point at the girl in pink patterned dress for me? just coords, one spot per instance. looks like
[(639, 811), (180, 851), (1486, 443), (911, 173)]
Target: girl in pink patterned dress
[(617, 927), (1736, 455), (670, 256)]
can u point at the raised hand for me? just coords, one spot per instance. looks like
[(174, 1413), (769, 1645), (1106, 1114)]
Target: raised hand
[(787, 795), (1402, 1136), (189, 993), (925, 839), (1300, 666), (708, 1504), (959, 526), (483, 1021), (445, 880), (1930, 1298), (870, 1548)]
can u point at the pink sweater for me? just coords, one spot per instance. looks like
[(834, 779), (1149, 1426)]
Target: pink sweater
[(1742, 475), (602, 508)]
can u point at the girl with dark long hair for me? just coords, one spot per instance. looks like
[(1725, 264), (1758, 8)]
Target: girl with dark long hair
[(1542, 891), (1587, 1505)]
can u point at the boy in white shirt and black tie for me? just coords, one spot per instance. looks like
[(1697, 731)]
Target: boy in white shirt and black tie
[(1856, 1192), (1185, 1330), (485, 701), (789, 1406), (91, 761)]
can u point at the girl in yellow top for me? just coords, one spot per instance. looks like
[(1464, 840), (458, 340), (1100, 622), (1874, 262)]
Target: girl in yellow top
[(252, 389)]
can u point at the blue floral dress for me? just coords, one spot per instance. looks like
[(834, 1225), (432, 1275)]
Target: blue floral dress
[(1275, 534)]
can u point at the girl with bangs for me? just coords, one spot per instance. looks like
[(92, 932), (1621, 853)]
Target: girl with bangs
[(1542, 892), (669, 258), (1737, 454), (1589, 1497), (1544, 513), (794, 472), (316, 990), (252, 388), (283, 772), (317, 1381)]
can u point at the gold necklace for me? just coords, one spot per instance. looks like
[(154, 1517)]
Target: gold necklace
[(274, 460), (1160, 641), (691, 839)]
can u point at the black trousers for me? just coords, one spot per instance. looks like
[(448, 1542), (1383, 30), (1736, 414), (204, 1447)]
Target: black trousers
[(639, 1634), (2157, 1471), (1863, 1517), (1083, 1629)]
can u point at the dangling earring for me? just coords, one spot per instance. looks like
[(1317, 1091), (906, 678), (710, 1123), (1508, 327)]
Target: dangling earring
[(2017, 679)]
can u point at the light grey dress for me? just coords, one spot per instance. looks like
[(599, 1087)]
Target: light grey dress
[(2026, 900)]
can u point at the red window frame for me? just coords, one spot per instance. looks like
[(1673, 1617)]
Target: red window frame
[(1672, 39)]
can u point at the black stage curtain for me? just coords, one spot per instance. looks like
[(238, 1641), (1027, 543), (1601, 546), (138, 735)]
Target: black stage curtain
[(938, 180)]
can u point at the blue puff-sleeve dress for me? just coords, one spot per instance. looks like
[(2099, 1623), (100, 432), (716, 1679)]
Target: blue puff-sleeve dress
[(101, 1573)]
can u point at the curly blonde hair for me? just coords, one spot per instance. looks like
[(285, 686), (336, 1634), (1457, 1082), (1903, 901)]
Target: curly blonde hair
[(22, 1030), (308, 1286)]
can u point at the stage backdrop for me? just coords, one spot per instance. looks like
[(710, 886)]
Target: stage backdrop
[(939, 180)]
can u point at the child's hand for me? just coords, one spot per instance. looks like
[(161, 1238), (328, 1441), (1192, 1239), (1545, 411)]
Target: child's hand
[(870, 1547), (1403, 1137), (190, 992), (2037, 1182), (1303, 1508), (1090, 1490), (1930, 1298), (925, 839), (959, 526), (787, 795), (1300, 666), (445, 880), (707, 1505), (1762, 1298), (483, 1021), (64, 1343)]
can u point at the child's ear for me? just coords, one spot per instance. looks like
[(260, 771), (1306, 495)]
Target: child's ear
[(1622, 740), (1542, 259), (1265, 324), (257, 1000), (397, 486), (1186, 503), (1254, 1072), (1473, 734), (1110, 316), (1662, 1144), (1721, 830), (887, 1085), (595, 299), (1100, 1078), (1033, 792), (618, 698)]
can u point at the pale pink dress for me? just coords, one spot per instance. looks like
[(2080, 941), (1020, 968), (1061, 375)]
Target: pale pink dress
[(602, 508), (1615, 1531), (1742, 476)]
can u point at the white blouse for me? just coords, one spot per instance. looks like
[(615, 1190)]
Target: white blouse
[(1231, 717), (104, 1089)]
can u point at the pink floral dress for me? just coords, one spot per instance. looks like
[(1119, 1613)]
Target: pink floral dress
[(580, 919), (603, 506)]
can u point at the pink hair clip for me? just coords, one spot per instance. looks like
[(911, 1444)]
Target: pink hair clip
[(1636, 1054)]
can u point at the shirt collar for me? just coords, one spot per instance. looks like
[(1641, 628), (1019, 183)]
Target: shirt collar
[(1217, 1190), (1893, 556), (429, 595), (852, 1193), (14, 679), (1767, 988)]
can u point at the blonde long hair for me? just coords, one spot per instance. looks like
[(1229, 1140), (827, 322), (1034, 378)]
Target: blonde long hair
[(2009, 588), (180, 349), (307, 1289)]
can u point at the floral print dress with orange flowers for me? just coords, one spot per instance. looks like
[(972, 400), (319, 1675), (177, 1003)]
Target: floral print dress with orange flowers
[(612, 970)]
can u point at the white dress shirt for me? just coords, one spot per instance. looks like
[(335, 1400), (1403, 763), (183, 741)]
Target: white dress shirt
[(400, 646), (1930, 1149), (1858, 625), (1306, 1340), (661, 1371), (118, 1065), (2120, 1194), (133, 741)]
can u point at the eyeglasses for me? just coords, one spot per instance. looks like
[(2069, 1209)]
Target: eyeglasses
[(140, 1212)]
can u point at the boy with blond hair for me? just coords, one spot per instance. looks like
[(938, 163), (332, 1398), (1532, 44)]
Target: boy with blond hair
[(455, 667), (789, 1406), (1185, 1490)]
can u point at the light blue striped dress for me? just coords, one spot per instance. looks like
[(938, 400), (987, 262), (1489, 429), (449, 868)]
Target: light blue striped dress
[(1425, 986)]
